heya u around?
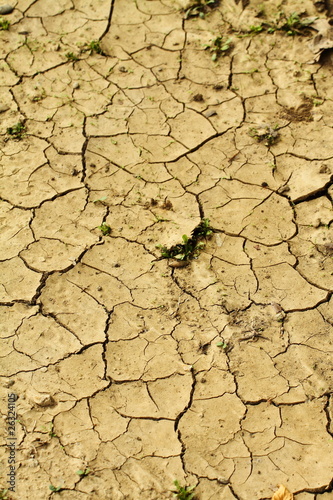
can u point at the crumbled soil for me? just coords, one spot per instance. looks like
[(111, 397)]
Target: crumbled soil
[(126, 368)]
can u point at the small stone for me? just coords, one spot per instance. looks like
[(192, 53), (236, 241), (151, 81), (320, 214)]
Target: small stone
[(198, 98), (283, 189), (178, 263), (210, 113), (76, 85), (3, 108), (324, 169), (6, 9), (9, 383), (40, 398)]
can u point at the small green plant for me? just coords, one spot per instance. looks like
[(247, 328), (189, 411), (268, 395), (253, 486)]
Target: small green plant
[(94, 46), (218, 47), (4, 26), (17, 131), (183, 492), (200, 8), (3, 494), (49, 430), (71, 57), (265, 133), (202, 230), (100, 200), (256, 29), (105, 228), (294, 25), (83, 472), (190, 247), (55, 489), (225, 346)]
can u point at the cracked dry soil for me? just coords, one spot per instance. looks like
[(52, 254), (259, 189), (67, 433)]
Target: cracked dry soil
[(218, 374)]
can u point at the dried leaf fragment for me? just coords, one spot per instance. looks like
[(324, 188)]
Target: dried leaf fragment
[(282, 494)]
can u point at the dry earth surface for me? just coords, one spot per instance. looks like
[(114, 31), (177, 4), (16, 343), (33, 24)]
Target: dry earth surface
[(129, 370)]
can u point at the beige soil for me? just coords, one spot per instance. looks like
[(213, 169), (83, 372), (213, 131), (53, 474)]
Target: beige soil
[(217, 374)]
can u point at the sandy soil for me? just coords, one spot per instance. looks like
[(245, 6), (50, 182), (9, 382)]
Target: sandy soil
[(134, 372)]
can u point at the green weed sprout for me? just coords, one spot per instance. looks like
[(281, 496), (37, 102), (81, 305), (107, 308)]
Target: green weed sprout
[(219, 46), (200, 8), (4, 24), (105, 228), (17, 131), (83, 472), (183, 492), (71, 57), (266, 134), (93, 46), (190, 246), (55, 489), (294, 25)]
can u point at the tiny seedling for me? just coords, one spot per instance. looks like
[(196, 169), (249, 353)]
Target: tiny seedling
[(225, 346), (49, 431), (200, 8), (256, 29), (71, 57), (202, 230), (183, 492), (219, 47), (55, 489), (190, 247), (265, 133), (294, 25), (93, 46), (83, 472), (105, 228), (101, 200), (16, 131), (4, 26)]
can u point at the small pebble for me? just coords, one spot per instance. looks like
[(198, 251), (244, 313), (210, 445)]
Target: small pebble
[(283, 189), (178, 263), (210, 113), (198, 98), (324, 169), (76, 85), (9, 383), (41, 399), (3, 108), (6, 9)]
